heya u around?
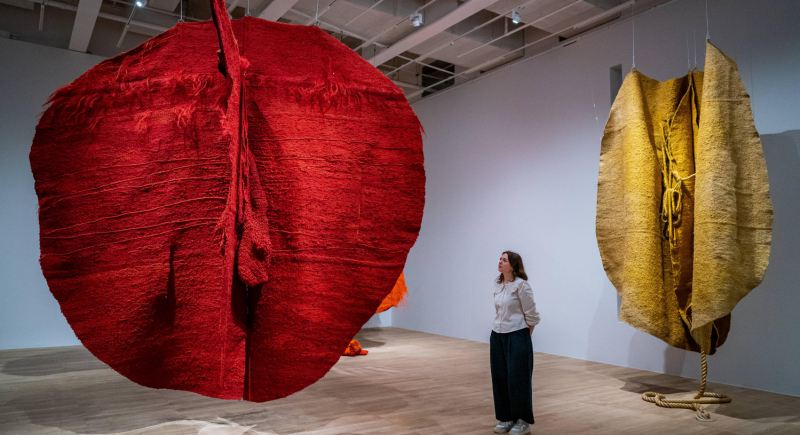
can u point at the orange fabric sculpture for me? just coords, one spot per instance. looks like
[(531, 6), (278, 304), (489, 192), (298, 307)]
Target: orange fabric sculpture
[(392, 300), (396, 296), (354, 349)]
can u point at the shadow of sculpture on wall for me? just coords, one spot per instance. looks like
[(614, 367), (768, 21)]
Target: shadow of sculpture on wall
[(641, 346)]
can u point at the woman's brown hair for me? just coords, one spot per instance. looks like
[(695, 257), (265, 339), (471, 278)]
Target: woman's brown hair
[(516, 266)]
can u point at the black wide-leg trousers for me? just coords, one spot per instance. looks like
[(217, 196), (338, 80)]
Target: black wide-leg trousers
[(511, 357)]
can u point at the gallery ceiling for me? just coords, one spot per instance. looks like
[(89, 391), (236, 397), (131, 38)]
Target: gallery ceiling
[(424, 46)]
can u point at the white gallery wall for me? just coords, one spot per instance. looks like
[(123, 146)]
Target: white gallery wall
[(512, 164), (29, 74)]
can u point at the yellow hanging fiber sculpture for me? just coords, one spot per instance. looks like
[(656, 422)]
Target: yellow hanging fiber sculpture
[(684, 218)]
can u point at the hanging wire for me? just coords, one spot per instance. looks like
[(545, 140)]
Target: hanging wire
[(316, 15), (708, 34), (180, 20), (41, 15), (689, 21), (694, 31), (596, 118), (633, 36), (327, 8), (247, 12), (688, 52)]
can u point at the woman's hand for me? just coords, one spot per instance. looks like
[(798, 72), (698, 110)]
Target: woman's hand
[(531, 328)]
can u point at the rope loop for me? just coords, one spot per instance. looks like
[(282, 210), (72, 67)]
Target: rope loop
[(701, 398)]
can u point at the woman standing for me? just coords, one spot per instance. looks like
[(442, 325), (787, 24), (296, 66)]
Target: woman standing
[(510, 346)]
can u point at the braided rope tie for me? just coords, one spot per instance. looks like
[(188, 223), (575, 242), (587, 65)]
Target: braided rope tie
[(672, 201), (701, 398)]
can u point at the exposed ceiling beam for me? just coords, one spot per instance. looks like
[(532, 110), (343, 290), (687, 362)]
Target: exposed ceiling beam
[(163, 5), (333, 28), (233, 5), (406, 85), (426, 55), (597, 17), (459, 14), (83, 27), (522, 27), (604, 4), (364, 12), (276, 9)]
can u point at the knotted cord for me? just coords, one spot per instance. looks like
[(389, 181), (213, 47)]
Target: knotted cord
[(671, 203)]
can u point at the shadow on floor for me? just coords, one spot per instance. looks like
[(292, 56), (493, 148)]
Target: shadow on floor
[(758, 405), (104, 402), (750, 411), (53, 361), (367, 337), (643, 384), (85, 396)]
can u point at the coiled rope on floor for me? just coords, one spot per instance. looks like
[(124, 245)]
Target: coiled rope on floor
[(701, 398)]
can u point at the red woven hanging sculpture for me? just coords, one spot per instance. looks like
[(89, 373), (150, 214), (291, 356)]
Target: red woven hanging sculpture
[(225, 224)]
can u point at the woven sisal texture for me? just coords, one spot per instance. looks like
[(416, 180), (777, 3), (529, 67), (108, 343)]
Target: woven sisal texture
[(684, 218), (226, 224)]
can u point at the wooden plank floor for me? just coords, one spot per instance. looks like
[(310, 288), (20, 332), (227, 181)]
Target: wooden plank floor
[(410, 383)]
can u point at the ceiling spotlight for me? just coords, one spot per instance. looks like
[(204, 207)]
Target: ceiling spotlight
[(515, 17), (416, 19), (141, 3)]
